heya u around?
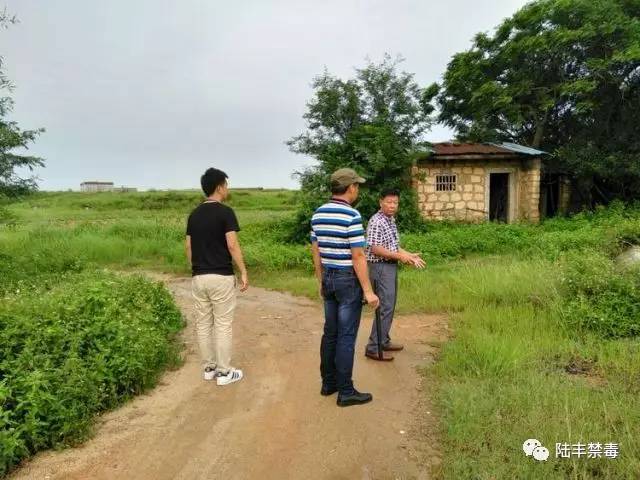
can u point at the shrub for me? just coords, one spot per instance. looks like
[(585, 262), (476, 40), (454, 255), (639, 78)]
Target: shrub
[(600, 296), (75, 350)]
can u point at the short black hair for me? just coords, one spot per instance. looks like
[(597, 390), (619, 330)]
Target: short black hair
[(339, 189), (389, 192), (212, 179)]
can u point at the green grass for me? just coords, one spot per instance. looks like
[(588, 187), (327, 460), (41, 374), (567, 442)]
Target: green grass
[(503, 377), (76, 205), (527, 304), (146, 230)]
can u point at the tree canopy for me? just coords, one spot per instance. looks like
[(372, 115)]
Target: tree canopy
[(563, 76), (372, 123), (13, 138)]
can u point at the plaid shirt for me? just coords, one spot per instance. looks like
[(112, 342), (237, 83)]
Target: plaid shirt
[(383, 232)]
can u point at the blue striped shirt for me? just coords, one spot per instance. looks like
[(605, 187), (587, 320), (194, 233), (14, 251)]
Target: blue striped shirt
[(337, 227)]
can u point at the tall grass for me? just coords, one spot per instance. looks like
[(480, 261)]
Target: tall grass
[(146, 230), (609, 230), (508, 374), (544, 342)]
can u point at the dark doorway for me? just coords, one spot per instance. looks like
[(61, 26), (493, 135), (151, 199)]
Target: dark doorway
[(499, 197), (550, 195)]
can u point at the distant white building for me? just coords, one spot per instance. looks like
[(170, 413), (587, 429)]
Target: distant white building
[(96, 187)]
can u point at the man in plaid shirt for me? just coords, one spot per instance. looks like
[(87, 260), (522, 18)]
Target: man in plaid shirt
[(383, 255)]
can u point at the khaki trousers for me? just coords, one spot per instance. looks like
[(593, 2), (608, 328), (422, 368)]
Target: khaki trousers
[(215, 302)]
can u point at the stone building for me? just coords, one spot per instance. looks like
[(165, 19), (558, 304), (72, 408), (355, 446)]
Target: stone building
[(479, 181)]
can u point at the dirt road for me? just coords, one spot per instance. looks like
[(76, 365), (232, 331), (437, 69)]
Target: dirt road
[(274, 423)]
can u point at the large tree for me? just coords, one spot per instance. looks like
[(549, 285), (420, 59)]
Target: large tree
[(371, 123), (563, 76), (13, 139)]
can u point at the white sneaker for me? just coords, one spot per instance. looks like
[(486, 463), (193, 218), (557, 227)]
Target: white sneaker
[(210, 373), (232, 375)]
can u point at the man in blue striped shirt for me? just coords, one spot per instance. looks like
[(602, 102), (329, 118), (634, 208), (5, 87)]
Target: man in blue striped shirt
[(337, 242)]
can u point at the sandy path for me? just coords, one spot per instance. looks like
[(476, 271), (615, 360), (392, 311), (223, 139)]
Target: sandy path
[(274, 423)]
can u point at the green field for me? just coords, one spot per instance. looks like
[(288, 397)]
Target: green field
[(545, 324)]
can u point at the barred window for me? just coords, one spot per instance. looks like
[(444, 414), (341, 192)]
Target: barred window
[(445, 183)]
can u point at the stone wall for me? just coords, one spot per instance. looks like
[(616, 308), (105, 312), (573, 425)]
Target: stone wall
[(469, 202), (529, 190)]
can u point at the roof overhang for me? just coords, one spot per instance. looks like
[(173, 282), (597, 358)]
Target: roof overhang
[(479, 151)]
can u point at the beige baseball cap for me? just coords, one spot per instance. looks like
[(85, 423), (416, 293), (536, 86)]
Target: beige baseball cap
[(344, 177)]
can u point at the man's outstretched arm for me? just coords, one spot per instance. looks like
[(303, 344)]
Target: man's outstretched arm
[(399, 256)]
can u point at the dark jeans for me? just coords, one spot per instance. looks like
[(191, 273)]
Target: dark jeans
[(342, 308)]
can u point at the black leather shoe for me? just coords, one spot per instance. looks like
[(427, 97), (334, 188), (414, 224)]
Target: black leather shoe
[(356, 398), (326, 391)]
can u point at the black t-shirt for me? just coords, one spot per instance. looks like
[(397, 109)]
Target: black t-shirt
[(207, 226)]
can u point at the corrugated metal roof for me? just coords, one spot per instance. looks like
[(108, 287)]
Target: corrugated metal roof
[(514, 147), (452, 148)]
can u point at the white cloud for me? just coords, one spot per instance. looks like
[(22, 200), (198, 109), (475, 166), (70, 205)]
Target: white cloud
[(150, 93)]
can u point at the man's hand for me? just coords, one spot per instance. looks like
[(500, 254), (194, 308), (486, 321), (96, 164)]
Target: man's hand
[(244, 282), (412, 259), (372, 299), (236, 253), (416, 261), (406, 258)]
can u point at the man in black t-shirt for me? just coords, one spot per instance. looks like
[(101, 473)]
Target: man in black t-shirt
[(211, 245)]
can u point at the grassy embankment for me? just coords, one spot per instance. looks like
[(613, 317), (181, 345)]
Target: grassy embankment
[(546, 325)]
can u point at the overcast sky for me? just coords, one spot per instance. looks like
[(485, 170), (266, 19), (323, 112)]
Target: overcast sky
[(149, 93)]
